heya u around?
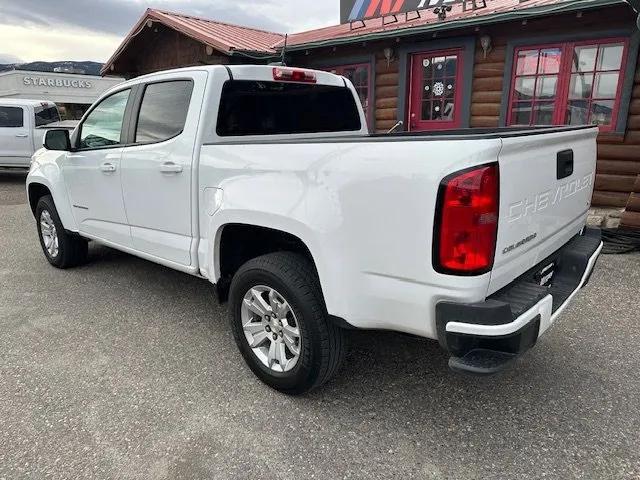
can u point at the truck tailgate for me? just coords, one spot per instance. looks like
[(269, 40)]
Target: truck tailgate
[(546, 184)]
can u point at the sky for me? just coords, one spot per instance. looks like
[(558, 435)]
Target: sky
[(54, 30)]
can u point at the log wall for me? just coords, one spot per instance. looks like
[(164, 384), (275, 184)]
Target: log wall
[(387, 83), (618, 154)]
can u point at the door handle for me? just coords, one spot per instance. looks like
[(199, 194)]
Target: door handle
[(170, 167), (22, 135), (564, 164), (108, 167)]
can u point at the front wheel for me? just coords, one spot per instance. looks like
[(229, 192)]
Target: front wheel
[(61, 249), (281, 325)]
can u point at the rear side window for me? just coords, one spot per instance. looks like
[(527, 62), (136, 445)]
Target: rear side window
[(46, 115), (163, 112), (273, 108), (11, 117)]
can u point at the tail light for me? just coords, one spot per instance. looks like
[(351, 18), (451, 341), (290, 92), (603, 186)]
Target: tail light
[(293, 75), (467, 221)]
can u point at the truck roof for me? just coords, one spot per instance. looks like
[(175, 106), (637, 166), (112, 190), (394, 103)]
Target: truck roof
[(26, 102), (247, 72)]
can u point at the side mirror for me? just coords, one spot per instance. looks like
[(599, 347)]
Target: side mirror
[(57, 140)]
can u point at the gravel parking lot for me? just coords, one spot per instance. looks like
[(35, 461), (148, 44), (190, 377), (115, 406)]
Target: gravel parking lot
[(126, 369)]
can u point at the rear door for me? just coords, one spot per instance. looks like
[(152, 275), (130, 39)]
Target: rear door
[(157, 166), (546, 183), (16, 146)]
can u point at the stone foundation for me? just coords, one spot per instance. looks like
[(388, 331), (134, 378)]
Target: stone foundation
[(605, 217)]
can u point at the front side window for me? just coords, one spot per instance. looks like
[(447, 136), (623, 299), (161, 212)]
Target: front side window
[(46, 115), (163, 111), (278, 108), (360, 77), (11, 117), (568, 84), (103, 126)]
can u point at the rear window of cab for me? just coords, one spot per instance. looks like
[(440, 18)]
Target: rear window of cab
[(278, 108)]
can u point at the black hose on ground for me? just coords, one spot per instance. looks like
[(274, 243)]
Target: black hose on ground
[(618, 241)]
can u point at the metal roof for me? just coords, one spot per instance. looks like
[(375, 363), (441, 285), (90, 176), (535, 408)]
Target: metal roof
[(427, 21), (223, 37), (228, 38)]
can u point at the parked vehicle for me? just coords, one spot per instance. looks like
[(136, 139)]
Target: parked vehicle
[(264, 181), (20, 129)]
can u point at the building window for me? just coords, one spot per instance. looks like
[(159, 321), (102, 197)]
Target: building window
[(577, 83), (360, 76)]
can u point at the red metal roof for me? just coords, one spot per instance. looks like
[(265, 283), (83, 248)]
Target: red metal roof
[(423, 18), (228, 38), (224, 37)]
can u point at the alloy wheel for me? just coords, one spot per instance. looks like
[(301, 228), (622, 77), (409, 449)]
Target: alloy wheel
[(271, 328), (49, 234)]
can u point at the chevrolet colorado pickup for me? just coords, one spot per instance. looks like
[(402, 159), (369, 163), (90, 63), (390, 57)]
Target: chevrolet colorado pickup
[(22, 124), (266, 182)]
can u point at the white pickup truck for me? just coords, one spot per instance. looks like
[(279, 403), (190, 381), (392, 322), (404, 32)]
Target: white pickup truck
[(22, 125), (264, 181)]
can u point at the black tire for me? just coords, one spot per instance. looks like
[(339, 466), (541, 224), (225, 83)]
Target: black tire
[(323, 344), (72, 249)]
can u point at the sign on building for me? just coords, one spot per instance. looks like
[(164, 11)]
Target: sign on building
[(351, 10)]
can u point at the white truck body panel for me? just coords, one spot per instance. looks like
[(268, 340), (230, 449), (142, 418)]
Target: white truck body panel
[(364, 206), (18, 144)]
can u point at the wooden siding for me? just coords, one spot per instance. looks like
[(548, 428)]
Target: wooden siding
[(162, 48), (387, 83), (618, 168), (488, 72)]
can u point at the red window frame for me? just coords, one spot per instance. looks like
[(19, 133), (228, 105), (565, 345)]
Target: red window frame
[(562, 99), (341, 70)]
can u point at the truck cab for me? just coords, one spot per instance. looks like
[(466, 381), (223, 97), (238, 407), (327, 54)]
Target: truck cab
[(20, 129)]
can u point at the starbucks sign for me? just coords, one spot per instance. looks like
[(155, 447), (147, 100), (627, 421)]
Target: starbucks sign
[(40, 81)]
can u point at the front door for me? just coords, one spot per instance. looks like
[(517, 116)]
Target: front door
[(92, 172), (435, 90)]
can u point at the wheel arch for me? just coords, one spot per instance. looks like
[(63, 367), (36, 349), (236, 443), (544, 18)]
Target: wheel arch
[(236, 243), (45, 177), (35, 191)]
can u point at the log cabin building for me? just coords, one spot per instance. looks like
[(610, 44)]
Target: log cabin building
[(462, 63)]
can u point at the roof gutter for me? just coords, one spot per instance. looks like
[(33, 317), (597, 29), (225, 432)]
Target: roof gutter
[(567, 7)]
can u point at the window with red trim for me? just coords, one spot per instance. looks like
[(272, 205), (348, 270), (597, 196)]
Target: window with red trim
[(359, 74), (576, 83)]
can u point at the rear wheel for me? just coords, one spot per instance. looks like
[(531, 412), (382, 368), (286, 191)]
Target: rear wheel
[(61, 249), (280, 323)]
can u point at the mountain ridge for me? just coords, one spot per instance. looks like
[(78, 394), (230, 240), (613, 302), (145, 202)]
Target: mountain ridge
[(79, 68)]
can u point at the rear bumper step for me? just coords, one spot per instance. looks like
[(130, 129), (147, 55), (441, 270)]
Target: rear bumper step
[(486, 337), (482, 362)]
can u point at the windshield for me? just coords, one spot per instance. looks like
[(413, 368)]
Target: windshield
[(46, 115)]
